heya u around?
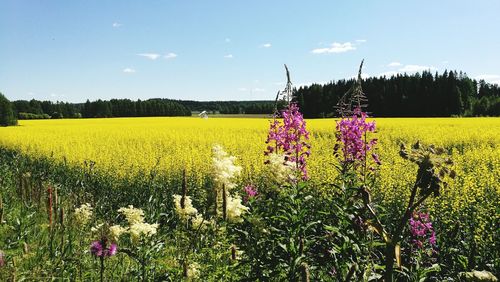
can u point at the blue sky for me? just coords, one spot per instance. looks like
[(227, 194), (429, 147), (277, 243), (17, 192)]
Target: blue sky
[(232, 50)]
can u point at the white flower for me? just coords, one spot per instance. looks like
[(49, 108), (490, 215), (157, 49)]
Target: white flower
[(132, 214), (188, 210), (235, 209), (224, 168), (83, 214), (116, 231), (142, 229), (280, 170), (199, 222), (193, 270), (97, 228)]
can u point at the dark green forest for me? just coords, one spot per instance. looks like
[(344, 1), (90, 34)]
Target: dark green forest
[(424, 94), (419, 95)]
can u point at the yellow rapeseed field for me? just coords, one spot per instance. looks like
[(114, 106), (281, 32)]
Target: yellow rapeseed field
[(126, 146)]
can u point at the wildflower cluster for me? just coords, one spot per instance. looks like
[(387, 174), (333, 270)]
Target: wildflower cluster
[(185, 209), (421, 230), (83, 214), (137, 227), (351, 135), (225, 171), (235, 209), (290, 138)]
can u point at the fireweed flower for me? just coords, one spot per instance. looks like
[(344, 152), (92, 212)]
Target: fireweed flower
[(100, 248), (421, 230), (133, 215), (290, 138), (351, 136), (225, 171), (187, 211), (235, 209), (250, 192), (83, 214)]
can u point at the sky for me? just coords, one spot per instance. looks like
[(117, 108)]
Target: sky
[(232, 50)]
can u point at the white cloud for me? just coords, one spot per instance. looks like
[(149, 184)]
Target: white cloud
[(151, 56), (227, 40), (335, 48), (389, 73), (115, 24), (394, 64), (170, 56), (490, 78), (416, 68), (361, 40), (266, 45), (258, 90), (228, 56), (128, 70)]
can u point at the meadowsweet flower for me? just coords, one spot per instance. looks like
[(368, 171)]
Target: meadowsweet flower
[(250, 192), (351, 135), (83, 214), (97, 228), (198, 222), (279, 169), (290, 138), (101, 249), (193, 270), (116, 231), (188, 210), (133, 215), (142, 229), (421, 230), (225, 171), (235, 209)]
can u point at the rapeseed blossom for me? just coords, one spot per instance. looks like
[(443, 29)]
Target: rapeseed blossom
[(83, 214)]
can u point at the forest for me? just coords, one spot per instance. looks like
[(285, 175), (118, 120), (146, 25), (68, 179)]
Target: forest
[(423, 94)]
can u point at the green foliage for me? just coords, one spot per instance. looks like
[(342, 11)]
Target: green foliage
[(6, 114)]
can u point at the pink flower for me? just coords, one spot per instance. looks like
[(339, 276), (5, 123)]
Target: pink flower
[(100, 248), (290, 137), (351, 134), (421, 230), (250, 193)]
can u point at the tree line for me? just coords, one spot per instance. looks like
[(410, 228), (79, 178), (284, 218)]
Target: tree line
[(403, 95)]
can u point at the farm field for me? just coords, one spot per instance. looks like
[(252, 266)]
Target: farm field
[(127, 150)]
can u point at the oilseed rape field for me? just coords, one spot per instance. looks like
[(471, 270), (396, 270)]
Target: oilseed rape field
[(127, 149)]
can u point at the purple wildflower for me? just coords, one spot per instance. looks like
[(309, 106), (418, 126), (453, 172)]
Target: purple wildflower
[(351, 134), (421, 230), (100, 248), (250, 193), (290, 137)]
